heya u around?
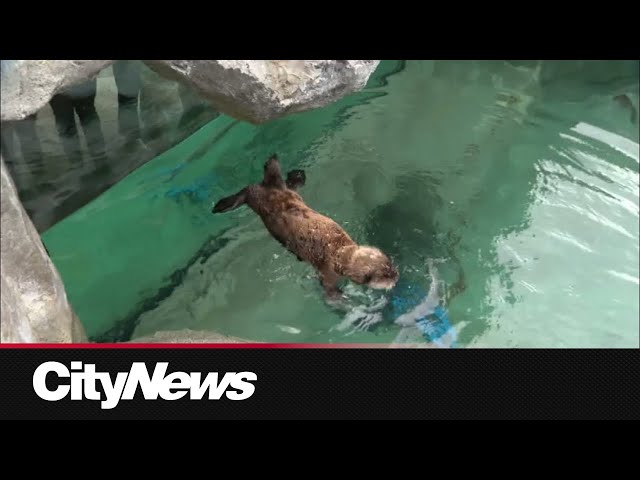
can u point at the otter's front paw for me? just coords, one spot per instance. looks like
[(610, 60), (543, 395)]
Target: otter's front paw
[(334, 295), (336, 299)]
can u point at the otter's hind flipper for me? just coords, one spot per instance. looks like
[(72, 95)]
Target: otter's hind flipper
[(273, 173), (231, 202), (296, 179)]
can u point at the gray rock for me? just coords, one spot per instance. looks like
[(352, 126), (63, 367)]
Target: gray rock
[(34, 305), (188, 336), (28, 85), (261, 90), (252, 90)]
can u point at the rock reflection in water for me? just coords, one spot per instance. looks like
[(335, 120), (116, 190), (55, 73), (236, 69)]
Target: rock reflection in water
[(92, 135)]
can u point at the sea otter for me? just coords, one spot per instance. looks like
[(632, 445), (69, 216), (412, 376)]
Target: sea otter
[(310, 236)]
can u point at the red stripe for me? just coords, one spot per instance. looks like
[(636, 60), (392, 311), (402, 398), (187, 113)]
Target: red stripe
[(187, 345)]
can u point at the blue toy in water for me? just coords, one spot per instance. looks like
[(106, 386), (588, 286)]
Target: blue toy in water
[(413, 306), (436, 326)]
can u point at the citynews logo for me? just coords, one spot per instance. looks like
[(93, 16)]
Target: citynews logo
[(83, 380)]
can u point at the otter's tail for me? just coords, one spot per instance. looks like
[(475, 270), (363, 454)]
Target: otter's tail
[(231, 202)]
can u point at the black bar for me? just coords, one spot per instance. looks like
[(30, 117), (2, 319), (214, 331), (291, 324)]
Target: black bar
[(349, 384)]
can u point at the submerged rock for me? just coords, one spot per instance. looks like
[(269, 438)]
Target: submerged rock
[(34, 303), (261, 90), (188, 336)]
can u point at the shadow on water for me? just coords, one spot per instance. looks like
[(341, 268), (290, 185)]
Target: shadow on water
[(386, 69), (123, 330)]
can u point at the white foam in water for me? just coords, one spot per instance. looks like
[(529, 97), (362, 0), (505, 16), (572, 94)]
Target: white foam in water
[(288, 329), (364, 309), (414, 337)]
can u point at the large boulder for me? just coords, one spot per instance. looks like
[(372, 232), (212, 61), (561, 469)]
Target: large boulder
[(34, 305), (252, 90), (28, 85), (261, 90)]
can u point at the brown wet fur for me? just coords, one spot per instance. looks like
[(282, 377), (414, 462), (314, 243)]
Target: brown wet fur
[(309, 235)]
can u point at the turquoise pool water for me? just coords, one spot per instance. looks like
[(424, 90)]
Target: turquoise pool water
[(520, 177)]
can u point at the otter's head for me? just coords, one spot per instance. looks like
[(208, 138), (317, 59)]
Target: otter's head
[(369, 266)]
